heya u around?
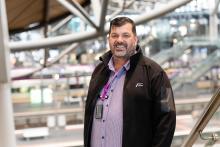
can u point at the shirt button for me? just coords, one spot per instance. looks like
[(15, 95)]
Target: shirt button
[(103, 137), (107, 105), (112, 90), (103, 120)]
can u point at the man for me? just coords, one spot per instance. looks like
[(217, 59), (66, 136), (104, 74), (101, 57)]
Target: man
[(130, 101)]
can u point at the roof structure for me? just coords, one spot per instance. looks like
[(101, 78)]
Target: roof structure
[(29, 14)]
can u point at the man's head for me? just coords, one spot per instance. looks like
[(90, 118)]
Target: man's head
[(122, 37), (120, 21)]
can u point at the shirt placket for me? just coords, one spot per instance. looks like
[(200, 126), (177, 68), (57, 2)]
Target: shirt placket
[(106, 103)]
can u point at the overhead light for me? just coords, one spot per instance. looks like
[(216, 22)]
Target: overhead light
[(173, 22), (188, 51), (183, 30), (175, 40), (56, 76)]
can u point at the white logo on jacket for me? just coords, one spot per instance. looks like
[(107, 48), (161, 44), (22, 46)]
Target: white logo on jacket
[(139, 85)]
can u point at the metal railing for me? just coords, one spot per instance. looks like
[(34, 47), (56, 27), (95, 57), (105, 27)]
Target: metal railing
[(203, 121)]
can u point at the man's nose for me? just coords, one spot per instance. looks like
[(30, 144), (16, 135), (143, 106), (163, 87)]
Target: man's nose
[(120, 39)]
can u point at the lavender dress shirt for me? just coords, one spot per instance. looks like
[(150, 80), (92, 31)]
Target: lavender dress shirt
[(107, 131)]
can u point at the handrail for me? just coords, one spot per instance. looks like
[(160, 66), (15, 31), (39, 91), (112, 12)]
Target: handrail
[(203, 120)]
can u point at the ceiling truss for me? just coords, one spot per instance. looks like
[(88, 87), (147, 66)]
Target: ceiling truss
[(100, 24)]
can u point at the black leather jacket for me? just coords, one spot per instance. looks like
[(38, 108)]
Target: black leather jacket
[(149, 116)]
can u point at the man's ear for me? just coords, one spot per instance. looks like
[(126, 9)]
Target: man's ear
[(108, 36), (137, 40)]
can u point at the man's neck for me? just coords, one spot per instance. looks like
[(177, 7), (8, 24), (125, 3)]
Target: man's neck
[(119, 62)]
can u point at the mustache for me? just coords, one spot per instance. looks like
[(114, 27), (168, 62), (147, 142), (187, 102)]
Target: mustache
[(120, 43)]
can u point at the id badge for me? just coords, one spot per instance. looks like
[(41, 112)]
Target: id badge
[(98, 111)]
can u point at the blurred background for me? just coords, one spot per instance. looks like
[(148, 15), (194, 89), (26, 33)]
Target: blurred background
[(52, 47)]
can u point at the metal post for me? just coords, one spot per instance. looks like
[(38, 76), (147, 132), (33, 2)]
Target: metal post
[(7, 135)]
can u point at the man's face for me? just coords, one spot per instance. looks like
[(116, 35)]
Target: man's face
[(122, 41)]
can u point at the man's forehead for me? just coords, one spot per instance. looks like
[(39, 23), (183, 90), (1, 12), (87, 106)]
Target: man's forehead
[(123, 25), (126, 27)]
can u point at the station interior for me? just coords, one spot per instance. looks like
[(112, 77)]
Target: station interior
[(49, 49)]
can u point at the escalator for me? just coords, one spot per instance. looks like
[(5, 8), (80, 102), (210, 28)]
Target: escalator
[(197, 71), (174, 52), (178, 49)]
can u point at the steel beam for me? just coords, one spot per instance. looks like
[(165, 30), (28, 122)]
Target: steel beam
[(102, 16), (48, 64), (61, 23), (128, 4), (82, 36), (215, 10), (96, 8), (156, 13), (78, 13)]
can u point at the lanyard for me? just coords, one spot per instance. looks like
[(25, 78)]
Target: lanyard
[(108, 85)]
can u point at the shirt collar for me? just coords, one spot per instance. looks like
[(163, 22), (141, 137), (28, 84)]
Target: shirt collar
[(111, 65)]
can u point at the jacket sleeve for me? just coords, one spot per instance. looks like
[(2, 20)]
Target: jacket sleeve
[(164, 117)]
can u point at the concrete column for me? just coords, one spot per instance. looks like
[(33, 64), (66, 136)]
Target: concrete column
[(213, 26), (213, 19), (7, 135)]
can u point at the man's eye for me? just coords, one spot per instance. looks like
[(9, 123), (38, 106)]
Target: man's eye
[(126, 35), (114, 36)]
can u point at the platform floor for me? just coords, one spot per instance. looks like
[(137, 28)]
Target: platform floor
[(72, 135)]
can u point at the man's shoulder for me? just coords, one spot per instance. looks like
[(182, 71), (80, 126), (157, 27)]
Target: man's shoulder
[(146, 61), (152, 67), (100, 68)]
